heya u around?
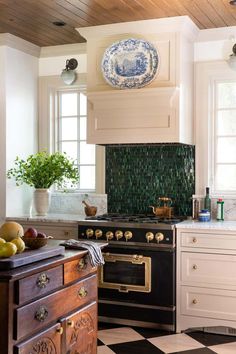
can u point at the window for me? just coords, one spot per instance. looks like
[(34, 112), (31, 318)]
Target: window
[(215, 128), (63, 125), (224, 169), (71, 137)]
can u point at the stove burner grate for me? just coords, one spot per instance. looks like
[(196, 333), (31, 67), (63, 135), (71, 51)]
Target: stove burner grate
[(136, 218)]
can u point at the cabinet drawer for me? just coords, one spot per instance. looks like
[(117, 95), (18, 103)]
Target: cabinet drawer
[(60, 232), (35, 316), (48, 341), (38, 284), (77, 269), (81, 330), (205, 240), (212, 303), (208, 268)]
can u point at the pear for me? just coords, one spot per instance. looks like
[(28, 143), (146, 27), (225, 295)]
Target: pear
[(19, 244), (7, 249)]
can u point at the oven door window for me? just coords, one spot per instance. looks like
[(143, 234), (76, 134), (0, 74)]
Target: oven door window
[(125, 272)]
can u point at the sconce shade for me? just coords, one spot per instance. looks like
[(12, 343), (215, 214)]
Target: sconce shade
[(68, 74), (232, 58)]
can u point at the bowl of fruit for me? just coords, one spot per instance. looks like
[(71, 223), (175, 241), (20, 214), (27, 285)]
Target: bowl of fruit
[(34, 239)]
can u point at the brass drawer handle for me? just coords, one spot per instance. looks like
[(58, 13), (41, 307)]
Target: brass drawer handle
[(42, 281), (194, 301), (194, 266), (82, 292), (81, 265), (41, 314), (71, 323), (59, 330)]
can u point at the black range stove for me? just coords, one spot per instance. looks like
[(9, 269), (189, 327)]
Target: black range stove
[(137, 281), (128, 230)]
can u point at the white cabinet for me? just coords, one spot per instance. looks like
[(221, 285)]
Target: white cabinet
[(57, 230), (206, 278)]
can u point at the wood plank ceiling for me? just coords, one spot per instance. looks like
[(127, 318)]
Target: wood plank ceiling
[(33, 20)]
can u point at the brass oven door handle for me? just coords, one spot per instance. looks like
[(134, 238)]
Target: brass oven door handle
[(42, 280), (41, 314), (82, 292)]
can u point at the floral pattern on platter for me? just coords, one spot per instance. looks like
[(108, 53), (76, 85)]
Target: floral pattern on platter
[(130, 63)]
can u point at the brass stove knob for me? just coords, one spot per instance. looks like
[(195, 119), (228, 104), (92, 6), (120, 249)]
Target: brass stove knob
[(149, 236), (128, 235), (118, 234), (109, 235), (98, 233), (159, 237), (89, 233)]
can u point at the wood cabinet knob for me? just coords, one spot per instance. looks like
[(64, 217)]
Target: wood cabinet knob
[(194, 239), (194, 301), (194, 266)]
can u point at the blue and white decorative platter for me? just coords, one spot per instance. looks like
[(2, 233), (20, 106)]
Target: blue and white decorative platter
[(130, 63)]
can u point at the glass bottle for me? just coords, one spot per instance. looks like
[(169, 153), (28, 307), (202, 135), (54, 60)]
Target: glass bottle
[(207, 200)]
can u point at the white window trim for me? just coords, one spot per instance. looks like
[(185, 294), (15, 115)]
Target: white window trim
[(206, 74), (48, 87)]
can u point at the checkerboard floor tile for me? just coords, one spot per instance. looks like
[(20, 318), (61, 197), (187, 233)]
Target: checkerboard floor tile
[(115, 339)]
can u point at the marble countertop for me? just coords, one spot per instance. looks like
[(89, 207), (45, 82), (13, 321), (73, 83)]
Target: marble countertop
[(66, 218), (207, 225)]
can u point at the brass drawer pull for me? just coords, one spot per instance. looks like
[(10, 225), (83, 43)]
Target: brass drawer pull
[(59, 330), (194, 240), (194, 266), (194, 301), (81, 265), (71, 323), (82, 292), (42, 281), (41, 314)]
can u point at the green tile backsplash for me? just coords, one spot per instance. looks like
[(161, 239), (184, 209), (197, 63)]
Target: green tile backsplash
[(136, 175)]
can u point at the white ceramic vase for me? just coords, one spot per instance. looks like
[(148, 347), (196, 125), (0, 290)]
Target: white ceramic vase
[(42, 197)]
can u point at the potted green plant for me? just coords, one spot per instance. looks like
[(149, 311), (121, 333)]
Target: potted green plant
[(41, 171)]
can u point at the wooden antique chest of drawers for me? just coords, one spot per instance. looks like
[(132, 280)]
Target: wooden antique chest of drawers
[(49, 306)]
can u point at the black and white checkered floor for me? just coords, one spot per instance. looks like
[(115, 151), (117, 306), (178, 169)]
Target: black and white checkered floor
[(126, 340)]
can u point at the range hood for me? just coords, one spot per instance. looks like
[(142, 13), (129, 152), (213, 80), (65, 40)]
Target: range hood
[(160, 112)]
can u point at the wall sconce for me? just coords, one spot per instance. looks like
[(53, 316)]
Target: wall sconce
[(232, 58), (68, 74)]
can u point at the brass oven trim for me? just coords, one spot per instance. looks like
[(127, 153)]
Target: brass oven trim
[(137, 259)]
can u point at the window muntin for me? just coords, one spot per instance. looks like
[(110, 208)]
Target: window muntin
[(71, 136), (224, 127)]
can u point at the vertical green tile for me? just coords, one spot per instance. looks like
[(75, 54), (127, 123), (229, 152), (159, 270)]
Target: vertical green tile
[(137, 175)]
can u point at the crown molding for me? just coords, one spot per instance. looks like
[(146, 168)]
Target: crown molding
[(160, 25), (9, 40), (62, 50)]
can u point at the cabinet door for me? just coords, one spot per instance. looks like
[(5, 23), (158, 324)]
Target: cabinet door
[(48, 341), (81, 331)]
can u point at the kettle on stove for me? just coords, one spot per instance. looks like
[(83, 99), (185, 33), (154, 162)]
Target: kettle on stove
[(165, 210)]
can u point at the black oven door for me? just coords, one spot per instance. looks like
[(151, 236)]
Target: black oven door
[(138, 276)]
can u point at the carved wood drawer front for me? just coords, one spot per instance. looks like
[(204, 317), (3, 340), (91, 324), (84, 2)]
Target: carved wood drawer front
[(77, 269), (38, 284), (81, 330), (38, 314), (48, 341)]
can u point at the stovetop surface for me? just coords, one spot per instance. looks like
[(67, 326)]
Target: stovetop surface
[(136, 218)]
